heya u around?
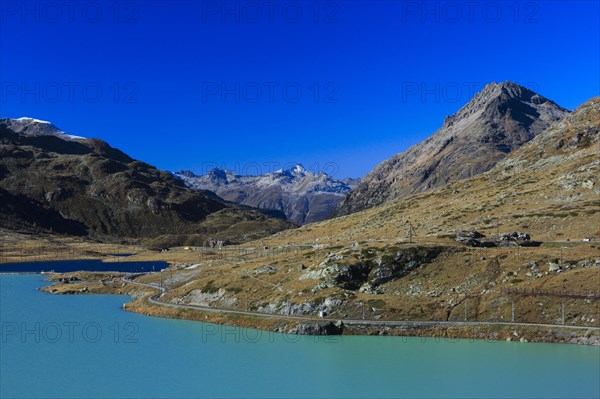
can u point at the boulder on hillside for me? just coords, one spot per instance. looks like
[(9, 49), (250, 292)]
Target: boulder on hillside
[(514, 236), (471, 238), (516, 239)]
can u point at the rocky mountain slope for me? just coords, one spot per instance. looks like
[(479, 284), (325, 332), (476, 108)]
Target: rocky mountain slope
[(52, 181), (498, 120), (304, 197)]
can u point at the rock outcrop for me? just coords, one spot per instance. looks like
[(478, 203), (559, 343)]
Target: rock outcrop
[(372, 270), (318, 328)]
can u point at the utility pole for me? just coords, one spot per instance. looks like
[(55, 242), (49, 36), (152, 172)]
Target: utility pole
[(561, 255), (363, 310), (513, 311), (563, 312), (411, 231), (498, 227), (465, 309)]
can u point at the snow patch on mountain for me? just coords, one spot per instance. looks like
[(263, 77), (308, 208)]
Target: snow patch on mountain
[(26, 119), (36, 127)]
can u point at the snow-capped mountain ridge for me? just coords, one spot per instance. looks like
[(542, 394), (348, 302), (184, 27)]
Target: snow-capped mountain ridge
[(297, 170), (35, 127), (302, 195), (26, 119), (296, 179)]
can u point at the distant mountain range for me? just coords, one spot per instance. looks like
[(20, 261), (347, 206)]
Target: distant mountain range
[(51, 181), (54, 181), (498, 120), (304, 197)]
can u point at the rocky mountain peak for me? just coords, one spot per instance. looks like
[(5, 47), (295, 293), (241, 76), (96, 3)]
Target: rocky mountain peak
[(299, 169), (499, 98), (296, 171), (218, 173), (496, 121), (503, 90)]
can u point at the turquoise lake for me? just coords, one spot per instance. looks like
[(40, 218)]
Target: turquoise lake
[(88, 347)]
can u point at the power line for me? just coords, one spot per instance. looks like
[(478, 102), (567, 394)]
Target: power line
[(411, 231)]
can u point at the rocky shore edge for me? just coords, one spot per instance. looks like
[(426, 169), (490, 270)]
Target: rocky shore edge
[(75, 285)]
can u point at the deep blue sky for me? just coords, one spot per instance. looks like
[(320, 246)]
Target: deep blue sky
[(387, 73)]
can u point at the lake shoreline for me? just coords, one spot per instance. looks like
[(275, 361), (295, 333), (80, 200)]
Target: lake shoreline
[(114, 283)]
